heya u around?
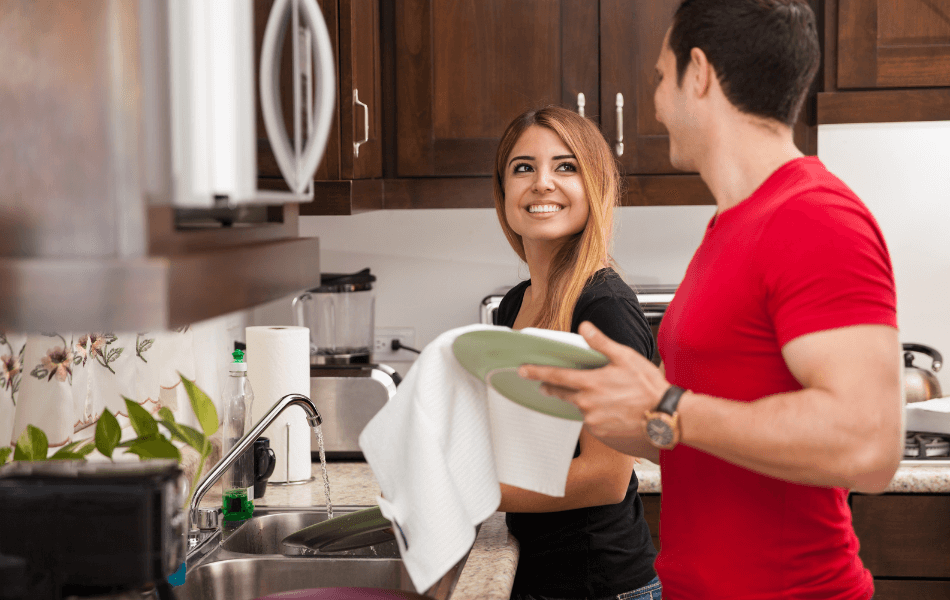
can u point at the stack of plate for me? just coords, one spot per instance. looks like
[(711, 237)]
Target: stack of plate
[(494, 355)]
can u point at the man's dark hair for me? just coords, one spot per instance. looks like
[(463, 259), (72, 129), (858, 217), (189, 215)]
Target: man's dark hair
[(765, 52)]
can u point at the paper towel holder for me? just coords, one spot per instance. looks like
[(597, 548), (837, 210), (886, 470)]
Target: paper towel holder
[(287, 462)]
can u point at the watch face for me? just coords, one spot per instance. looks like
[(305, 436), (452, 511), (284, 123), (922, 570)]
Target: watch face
[(660, 432)]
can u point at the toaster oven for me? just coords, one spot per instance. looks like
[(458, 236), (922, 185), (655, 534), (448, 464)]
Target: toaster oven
[(653, 299)]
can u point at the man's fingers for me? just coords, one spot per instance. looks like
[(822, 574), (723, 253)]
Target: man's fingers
[(571, 379), (556, 391)]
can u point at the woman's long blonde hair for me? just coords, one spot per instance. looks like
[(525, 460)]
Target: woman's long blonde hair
[(589, 250)]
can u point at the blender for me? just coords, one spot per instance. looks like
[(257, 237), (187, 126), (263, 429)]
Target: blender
[(346, 386)]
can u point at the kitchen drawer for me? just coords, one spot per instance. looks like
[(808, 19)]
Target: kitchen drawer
[(918, 590), (904, 535)]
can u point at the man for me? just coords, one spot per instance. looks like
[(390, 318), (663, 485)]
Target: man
[(780, 388)]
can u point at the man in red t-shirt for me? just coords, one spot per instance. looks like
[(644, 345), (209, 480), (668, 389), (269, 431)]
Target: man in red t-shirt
[(780, 387)]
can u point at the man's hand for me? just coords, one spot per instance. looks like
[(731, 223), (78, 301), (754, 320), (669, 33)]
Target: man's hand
[(612, 398)]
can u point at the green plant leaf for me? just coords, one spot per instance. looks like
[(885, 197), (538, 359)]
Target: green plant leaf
[(5, 454), (108, 433), (157, 447), (185, 434), (66, 452), (143, 423), (203, 407), (87, 449), (32, 445), (67, 456), (165, 414)]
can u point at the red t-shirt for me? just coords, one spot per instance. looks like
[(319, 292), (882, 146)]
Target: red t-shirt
[(801, 254)]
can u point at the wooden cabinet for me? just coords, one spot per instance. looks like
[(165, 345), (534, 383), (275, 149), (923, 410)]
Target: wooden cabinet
[(440, 80), (631, 35), (885, 61), (462, 70), (465, 69), (905, 543), (893, 43)]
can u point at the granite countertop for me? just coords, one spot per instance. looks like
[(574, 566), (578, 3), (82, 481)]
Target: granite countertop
[(490, 569), (915, 477)]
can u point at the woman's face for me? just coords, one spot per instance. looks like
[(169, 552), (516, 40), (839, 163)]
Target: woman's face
[(544, 191)]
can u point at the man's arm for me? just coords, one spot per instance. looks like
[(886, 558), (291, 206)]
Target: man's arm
[(843, 429), (598, 476)]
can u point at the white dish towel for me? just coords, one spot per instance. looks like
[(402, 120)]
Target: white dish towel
[(441, 446)]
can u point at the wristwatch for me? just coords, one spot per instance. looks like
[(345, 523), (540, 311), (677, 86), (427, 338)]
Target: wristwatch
[(663, 424)]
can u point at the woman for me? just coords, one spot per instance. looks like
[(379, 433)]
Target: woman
[(556, 185)]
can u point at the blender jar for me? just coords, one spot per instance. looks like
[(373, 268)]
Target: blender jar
[(339, 314)]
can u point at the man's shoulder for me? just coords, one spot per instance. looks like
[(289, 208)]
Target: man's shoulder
[(812, 186)]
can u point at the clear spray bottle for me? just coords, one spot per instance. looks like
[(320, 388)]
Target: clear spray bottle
[(238, 504)]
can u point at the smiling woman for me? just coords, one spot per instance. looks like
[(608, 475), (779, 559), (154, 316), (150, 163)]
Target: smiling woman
[(555, 190)]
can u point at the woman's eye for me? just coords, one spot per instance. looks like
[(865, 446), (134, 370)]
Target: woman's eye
[(521, 168), (570, 167)]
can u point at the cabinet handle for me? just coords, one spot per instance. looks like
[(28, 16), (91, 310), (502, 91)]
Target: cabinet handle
[(297, 166), (619, 146), (581, 102), (356, 145)]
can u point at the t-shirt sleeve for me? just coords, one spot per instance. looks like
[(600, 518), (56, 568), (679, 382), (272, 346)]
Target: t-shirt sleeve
[(509, 306), (621, 321), (825, 265)]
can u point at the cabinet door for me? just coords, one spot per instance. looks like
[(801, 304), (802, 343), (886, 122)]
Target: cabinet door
[(903, 535), (893, 43), (465, 68), (361, 154), (904, 589), (631, 34)]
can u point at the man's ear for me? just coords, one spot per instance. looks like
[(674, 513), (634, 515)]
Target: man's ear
[(702, 75)]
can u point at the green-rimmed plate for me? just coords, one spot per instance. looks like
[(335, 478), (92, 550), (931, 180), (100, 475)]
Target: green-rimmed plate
[(494, 356)]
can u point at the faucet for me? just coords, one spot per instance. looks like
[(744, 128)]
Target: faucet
[(313, 418)]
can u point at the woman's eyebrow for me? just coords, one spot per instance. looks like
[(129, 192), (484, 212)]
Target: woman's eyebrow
[(520, 158), (563, 156)]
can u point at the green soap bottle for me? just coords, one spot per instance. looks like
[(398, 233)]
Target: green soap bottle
[(238, 498)]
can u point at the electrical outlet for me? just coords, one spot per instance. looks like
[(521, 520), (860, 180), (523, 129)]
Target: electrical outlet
[(382, 348)]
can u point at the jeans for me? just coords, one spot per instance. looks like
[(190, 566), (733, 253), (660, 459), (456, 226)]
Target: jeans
[(651, 591)]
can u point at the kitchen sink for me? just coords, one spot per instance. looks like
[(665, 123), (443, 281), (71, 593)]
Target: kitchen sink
[(248, 563), (263, 534), (248, 578)]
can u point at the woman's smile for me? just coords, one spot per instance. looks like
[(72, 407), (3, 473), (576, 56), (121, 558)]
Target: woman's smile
[(544, 208)]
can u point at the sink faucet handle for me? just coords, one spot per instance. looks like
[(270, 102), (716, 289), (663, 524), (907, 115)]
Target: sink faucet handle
[(208, 518)]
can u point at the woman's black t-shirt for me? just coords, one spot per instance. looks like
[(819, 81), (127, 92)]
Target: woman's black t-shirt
[(601, 550)]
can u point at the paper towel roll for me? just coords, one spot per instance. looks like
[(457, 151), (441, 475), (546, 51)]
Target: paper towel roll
[(278, 363)]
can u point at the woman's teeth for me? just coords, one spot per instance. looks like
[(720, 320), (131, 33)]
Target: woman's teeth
[(544, 208)]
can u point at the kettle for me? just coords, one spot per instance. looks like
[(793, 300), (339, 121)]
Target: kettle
[(921, 384)]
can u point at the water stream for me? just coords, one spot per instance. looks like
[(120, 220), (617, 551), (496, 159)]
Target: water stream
[(323, 464)]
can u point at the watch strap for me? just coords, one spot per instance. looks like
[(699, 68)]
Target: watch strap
[(671, 398)]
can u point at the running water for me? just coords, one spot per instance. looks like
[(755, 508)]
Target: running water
[(323, 464)]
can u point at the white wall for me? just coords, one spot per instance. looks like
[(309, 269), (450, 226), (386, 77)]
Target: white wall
[(433, 267), (902, 172)]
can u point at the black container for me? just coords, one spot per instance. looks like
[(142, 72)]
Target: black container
[(89, 529)]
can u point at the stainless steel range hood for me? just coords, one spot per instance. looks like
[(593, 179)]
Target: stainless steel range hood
[(88, 234)]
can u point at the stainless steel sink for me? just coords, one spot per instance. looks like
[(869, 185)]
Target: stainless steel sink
[(263, 534), (248, 564), (248, 578)]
